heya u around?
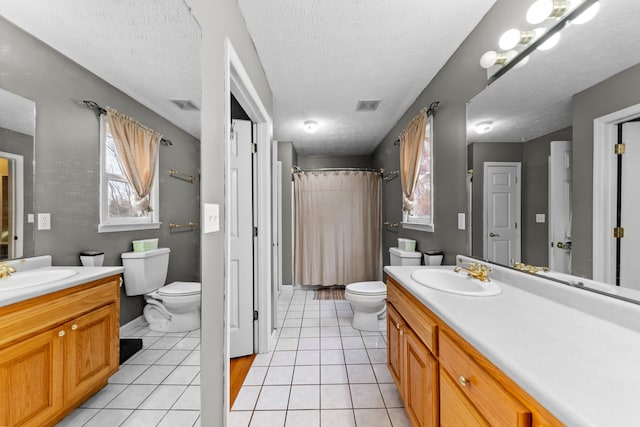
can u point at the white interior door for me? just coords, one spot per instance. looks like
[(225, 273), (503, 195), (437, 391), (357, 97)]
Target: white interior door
[(560, 187), (630, 243), (502, 212), (240, 240)]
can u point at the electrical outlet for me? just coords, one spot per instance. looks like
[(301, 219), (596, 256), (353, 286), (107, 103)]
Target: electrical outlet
[(44, 221)]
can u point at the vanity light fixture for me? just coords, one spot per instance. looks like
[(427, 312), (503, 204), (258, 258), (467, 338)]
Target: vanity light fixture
[(491, 58), (483, 127), (311, 126), (513, 37), (544, 9)]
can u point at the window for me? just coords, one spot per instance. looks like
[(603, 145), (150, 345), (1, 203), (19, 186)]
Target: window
[(422, 217), (120, 209)]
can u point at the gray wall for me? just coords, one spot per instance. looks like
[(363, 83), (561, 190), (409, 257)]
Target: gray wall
[(287, 155), (319, 162), (68, 162), (535, 196), (21, 144), (459, 80), (614, 94), (220, 21)]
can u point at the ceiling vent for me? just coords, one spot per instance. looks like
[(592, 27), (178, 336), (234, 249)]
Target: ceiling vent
[(185, 104), (368, 105)]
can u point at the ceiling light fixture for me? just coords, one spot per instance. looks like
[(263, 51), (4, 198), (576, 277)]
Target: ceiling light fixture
[(311, 126), (483, 127)]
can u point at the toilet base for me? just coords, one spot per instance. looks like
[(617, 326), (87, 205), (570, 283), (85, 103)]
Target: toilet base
[(370, 322), (163, 321)]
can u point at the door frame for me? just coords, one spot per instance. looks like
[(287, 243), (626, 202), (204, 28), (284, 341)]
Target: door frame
[(604, 191), (551, 206), (485, 205), (17, 201), (238, 82)]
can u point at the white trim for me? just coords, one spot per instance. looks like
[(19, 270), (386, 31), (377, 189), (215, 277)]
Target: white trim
[(237, 81), (112, 228), (17, 195), (604, 191), (130, 326), (485, 207), (418, 226)]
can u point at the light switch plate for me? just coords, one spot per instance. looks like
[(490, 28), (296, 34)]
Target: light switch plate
[(211, 217), (461, 221), (30, 218), (540, 218)]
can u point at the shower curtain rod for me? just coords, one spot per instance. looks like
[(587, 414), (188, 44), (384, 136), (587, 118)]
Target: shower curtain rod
[(92, 105), (297, 169)]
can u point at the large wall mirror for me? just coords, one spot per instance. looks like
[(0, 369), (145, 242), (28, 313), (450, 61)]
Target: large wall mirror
[(531, 160), (17, 130)]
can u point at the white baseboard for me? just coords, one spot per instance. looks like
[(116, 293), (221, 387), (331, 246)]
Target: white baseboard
[(132, 325)]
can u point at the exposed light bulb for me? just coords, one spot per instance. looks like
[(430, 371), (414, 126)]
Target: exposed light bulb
[(483, 127), (311, 126), (587, 15), (543, 9), (513, 37), (550, 42)]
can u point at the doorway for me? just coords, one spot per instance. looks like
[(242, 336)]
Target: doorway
[(11, 205), (501, 212)]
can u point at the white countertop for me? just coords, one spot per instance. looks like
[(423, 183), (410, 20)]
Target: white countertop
[(83, 275), (585, 370)]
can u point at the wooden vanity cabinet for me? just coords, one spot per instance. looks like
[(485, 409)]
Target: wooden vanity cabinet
[(57, 350), (443, 380)]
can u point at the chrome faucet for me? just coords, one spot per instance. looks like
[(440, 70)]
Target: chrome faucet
[(476, 270), (6, 270)]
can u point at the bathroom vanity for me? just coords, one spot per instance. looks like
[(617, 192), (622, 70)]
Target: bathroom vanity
[(59, 344), (536, 354)]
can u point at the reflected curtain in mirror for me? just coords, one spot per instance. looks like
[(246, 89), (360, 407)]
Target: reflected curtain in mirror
[(137, 147), (410, 155), (337, 227)]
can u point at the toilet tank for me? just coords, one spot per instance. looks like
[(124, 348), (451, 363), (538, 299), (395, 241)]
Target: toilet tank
[(146, 271), (400, 257)]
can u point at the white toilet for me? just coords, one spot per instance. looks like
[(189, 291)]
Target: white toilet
[(369, 298), (171, 308)]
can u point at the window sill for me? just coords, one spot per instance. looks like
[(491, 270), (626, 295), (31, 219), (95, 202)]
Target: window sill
[(112, 228), (427, 228)]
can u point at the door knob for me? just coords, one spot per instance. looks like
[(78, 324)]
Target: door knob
[(494, 235), (563, 245)]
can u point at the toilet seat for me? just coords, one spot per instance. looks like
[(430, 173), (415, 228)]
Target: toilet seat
[(374, 288), (180, 289)]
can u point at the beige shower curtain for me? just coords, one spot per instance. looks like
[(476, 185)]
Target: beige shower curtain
[(337, 227)]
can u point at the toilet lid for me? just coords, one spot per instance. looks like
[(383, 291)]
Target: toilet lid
[(367, 288), (180, 288)]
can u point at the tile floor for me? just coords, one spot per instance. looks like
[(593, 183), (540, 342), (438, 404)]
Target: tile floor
[(322, 372), (158, 386)]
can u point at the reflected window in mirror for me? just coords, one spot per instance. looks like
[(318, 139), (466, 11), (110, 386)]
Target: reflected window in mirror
[(121, 209), (421, 218)]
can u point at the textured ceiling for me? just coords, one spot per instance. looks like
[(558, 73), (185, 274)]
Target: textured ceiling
[(17, 113), (321, 57), (149, 49), (535, 99)]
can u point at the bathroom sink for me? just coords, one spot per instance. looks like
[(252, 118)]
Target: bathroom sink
[(40, 276), (455, 283)]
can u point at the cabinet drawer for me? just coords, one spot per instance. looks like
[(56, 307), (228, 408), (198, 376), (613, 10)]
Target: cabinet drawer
[(26, 318), (414, 313), (496, 405), (455, 408)]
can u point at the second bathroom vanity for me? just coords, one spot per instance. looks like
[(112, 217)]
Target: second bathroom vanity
[(536, 354)]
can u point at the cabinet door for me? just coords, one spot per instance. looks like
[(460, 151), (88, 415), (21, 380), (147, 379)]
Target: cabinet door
[(395, 326), (91, 347), (31, 380), (455, 409), (420, 376)]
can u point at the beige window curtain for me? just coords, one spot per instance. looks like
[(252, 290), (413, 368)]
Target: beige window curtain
[(137, 147), (411, 140), (337, 227)]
